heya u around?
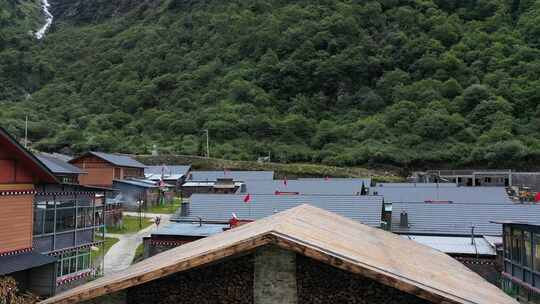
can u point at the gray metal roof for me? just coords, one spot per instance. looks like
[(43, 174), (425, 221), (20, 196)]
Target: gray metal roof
[(23, 261), (119, 160), (417, 185), (190, 229), (202, 176), (138, 183), (474, 195), (167, 170), (455, 244), (57, 165), (457, 219), (214, 207), (307, 186)]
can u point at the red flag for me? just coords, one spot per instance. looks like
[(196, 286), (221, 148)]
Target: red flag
[(247, 198), (233, 222), (537, 197)]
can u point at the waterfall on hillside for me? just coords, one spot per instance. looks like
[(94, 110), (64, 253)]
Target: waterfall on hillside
[(49, 17)]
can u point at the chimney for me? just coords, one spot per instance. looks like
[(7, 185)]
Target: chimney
[(184, 209), (404, 219)]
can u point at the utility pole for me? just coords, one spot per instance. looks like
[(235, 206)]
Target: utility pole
[(207, 143), (26, 132)]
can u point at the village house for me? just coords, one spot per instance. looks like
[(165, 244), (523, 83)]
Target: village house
[(20, 174), (302, 255), (521, 259), (140, 194), (170, 174), (103, 168), (176, 234), (320, 186), (485, 178), (208, 214), (221, 182), (68, 222)]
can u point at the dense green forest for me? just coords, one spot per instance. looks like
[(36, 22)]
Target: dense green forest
[(341, 82)]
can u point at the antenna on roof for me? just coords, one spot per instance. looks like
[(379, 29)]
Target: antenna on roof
[(26, 132)]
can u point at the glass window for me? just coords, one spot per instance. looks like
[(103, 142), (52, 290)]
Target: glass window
[(83, 259), (74, 261), (65, 265), (527, 249), (39, 219), (84, 218), (507, 241), (59, 266), (517, 240), (65, 219), (537, 252)]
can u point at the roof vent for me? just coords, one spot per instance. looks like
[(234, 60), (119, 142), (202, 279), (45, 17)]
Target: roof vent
[(404, 219), (243, 188)]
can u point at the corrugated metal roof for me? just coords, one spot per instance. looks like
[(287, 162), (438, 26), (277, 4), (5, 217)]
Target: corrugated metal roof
[(138, 183), (457, 219), (169, 172), (18, 262), (201, 176), (119, 160), (305, 186), (417, 185), (215, 207), (61, 156), (190, 229), (455, 245), (473, 195), (56, 165), (366, 180)]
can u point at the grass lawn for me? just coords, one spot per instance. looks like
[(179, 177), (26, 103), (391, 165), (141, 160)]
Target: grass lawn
[(130, 224), (167, 208), (138, 253), (109, 242)]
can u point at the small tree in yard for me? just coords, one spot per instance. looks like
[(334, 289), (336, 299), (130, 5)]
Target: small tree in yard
[(10, 294)]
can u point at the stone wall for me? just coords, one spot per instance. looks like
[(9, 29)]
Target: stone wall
[(230, 281), (319, 283), (275, 276), (269, 275)]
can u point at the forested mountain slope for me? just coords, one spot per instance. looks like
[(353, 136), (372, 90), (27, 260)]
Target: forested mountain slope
[(343, 82)]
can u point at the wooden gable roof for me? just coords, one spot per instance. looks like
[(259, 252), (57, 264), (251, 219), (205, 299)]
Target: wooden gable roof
[(39, 172), (326, 237)]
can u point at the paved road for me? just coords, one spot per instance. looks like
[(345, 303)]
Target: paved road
[(122, 253)]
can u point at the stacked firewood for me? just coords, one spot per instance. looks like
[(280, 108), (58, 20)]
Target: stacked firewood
[(319, 283), (226, 282)]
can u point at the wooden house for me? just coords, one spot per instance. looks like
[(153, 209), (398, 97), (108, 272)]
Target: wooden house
[(20, 172), (302, 255), (68, 218), (103, 168)]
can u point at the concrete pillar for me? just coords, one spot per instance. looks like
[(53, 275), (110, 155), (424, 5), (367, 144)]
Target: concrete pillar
[(275, 276)]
